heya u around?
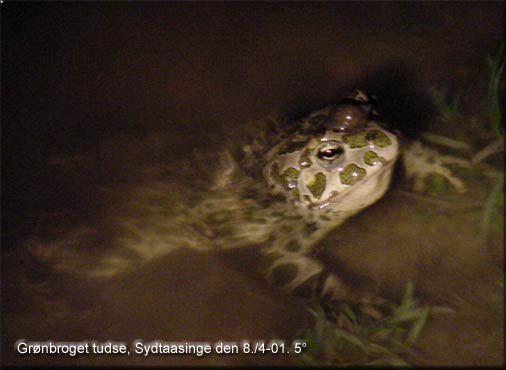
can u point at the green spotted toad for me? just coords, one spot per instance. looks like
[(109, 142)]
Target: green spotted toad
[(324, 168)]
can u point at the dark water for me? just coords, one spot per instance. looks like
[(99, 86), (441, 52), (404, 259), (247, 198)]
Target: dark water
[(96, 98)]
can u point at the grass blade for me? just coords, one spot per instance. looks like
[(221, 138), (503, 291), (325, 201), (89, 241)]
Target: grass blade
[(418, 327)]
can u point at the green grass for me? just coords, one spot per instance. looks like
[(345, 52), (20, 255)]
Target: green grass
[(496, 66), (446, 127), (351, 337), (448, 109), (448, 115), (494, 206), (493, 211)]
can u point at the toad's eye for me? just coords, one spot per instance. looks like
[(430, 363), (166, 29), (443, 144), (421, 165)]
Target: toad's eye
[(329, 153)]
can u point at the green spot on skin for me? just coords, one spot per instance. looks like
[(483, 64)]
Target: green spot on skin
[(371, 158), (351, 174), (290, 172), (296, 193), (317, 186), (356, 140), (283, 274), (292, 146), (289, 177), (274, 173), (304, 161), (380, 139), (318, 119)]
